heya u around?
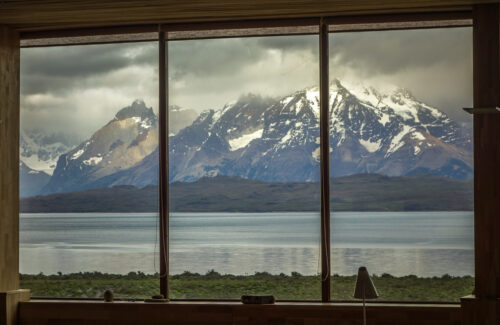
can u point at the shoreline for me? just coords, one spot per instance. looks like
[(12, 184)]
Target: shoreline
[(212, 285)]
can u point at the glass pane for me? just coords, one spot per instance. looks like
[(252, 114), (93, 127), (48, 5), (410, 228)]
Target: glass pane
[(88, 170), (244, 167), (402, 163)]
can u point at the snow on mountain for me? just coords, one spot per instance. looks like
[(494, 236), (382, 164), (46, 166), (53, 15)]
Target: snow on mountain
[(121, 144), (393, 133), (387, 132), (244, 140), (40, 151), (390, 132)]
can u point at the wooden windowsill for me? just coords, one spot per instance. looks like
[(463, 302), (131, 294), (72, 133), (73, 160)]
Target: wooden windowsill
[(45, 311), (236, 304)]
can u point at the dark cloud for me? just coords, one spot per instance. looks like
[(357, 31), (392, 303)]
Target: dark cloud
[(55, 69), (73, 61), (78, 88), (388, 52), (209, 57), (209, 73), (435, 64), (230, 55)]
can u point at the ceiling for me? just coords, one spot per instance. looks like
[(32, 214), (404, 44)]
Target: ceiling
[(36, 15)]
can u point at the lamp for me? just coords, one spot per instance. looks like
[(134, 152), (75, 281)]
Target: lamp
[(364, 289)]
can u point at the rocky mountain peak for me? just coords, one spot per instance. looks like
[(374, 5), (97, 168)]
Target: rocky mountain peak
[(120, 144), (335, 82), (137, 109)]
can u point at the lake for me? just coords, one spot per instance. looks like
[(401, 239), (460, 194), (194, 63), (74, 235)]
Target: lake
[(400, 243)]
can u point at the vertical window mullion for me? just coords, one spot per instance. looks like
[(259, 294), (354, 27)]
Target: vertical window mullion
[(163, 168), (325, 162)]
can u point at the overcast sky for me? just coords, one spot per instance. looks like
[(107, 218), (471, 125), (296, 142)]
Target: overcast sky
[(77, 89), (434, 64)]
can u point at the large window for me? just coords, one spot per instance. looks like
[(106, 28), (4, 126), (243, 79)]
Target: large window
[(245, 165), (88, 172), (401, 162), (244, 175)]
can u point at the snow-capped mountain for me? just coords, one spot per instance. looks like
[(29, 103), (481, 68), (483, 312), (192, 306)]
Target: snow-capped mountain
[(370, 132), (31, 181), (386, 132), (119, 145), (394, 134), (40, 151)]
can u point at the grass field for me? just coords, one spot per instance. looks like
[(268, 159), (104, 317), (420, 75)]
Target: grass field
[(216, 286)]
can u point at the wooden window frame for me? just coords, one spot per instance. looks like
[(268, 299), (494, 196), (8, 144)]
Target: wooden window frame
[(86, 36)]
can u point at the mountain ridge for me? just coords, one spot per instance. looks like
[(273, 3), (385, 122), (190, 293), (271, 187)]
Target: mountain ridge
[(120, 144), (276, 141), (362, 192)]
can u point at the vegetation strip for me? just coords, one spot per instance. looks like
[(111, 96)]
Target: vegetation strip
[(213, 285)]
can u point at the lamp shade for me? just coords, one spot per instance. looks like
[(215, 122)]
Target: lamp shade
[(364, 285)]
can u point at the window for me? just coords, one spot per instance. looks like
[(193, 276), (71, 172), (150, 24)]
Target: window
[(401, 162), (88, 178), (244, 163), (244, 173)]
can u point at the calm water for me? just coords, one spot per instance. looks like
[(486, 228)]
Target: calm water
[(399, 243)]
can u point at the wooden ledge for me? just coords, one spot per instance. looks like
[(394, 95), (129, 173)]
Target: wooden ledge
[(214, 312), (237, 304)]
